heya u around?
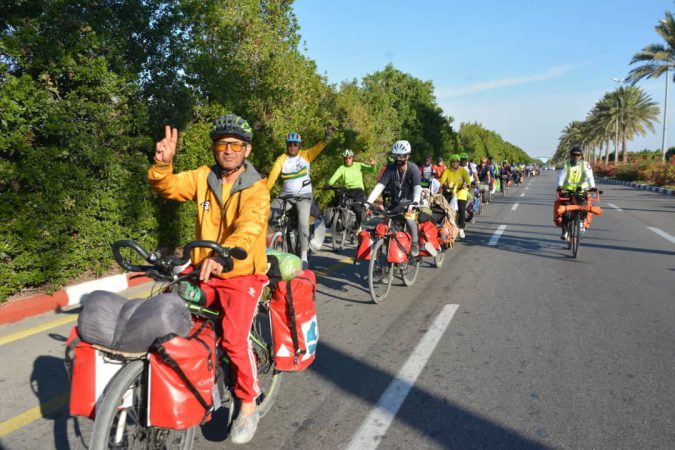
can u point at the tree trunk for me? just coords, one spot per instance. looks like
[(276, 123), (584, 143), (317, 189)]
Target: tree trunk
[(607, 152), (623, 146)]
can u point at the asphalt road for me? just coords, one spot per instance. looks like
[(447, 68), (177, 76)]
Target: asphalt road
[(540, 351)]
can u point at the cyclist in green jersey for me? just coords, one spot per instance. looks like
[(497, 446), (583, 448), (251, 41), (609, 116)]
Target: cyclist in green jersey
[(352, 174)]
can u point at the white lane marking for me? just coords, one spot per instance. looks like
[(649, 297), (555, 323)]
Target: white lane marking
[(663, 234), (522, 195), (374, 428), (527, 187), (615, 207), (515, 206), (497, 234)]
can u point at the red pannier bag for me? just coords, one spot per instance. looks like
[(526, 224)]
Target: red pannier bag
[(90, 371), (295, 330), (399, 248), (365, 245), (182, 372), (428, 233)]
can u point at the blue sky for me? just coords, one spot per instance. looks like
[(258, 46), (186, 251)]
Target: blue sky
[(522, 68)]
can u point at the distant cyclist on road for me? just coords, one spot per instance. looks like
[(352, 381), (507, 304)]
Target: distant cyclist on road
[(505, 173), (439, 168), (352, 174), (402, 179), (456, 180), (575, 173), (293, 166), (427, 171), (485, 179)]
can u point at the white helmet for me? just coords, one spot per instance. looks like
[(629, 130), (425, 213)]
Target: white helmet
[(347, 153), (400, 148)]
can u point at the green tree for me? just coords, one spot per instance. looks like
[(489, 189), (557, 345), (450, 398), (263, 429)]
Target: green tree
[(657, 60)]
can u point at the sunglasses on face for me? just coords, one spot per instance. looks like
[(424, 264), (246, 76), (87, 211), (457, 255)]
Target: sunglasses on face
[(235, 146), (293, 144)]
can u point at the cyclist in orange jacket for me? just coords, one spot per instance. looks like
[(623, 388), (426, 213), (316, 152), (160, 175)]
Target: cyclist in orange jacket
[(233, 204)]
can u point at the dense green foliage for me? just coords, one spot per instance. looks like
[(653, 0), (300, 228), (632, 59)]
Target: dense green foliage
[(478, 141), (86, 87)]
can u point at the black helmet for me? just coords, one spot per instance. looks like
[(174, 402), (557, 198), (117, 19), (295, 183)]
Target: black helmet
[(231, 124), (576, 149)]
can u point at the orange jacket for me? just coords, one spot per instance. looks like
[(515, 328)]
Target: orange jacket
[(246, 205)]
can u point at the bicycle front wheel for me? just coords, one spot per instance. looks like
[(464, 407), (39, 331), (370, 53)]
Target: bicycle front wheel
[(575, 235), (277, 242), (439, 258), (380, 272), (338, 232), (409, 270), (120, 417), (268, 377)]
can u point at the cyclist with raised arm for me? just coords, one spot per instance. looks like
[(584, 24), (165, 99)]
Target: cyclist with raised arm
[(575, 173), (456, 181), (402, 179), (293, 167), (352, 174), (233, 205)]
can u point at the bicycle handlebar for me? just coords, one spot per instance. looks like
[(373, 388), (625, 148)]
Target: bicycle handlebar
[(159, 263)]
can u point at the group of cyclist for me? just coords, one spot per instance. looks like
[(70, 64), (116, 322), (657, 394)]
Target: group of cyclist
[(234, 204)]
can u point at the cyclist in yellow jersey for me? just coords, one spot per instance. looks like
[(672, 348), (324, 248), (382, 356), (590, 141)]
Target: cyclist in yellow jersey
[(293, 167), (456, 180)]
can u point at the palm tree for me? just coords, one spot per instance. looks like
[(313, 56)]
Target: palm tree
[(657, 59), (604, 119), (637, 113)]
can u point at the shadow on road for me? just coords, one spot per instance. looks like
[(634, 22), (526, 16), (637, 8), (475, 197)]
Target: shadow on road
[(449, 425), (48, 382)]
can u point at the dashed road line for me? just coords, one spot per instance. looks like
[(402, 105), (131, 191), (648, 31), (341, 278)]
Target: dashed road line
[(615, 207), (522, 194), (497, 234), (374, 428), (663, 234), (515, 206)]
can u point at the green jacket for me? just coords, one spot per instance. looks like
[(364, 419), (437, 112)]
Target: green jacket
[(353, 177)]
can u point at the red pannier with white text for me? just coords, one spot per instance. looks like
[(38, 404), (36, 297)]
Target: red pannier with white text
[(399, 248), (182, 372), (295, 330)]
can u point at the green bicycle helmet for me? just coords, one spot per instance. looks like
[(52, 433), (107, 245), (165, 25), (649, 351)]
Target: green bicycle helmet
[(231, 124)]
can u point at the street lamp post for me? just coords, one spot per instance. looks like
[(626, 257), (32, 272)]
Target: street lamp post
[(665, 120), (616, 126)]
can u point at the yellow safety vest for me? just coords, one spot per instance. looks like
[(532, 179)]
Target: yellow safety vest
[(575, 176)]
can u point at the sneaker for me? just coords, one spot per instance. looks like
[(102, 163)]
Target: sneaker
[(415, 249), (243, 428), (430, 249), (563, 236), (462, 235)]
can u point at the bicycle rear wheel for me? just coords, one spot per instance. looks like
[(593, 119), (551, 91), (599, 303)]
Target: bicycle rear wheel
[(380, 272), (120, 426)]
